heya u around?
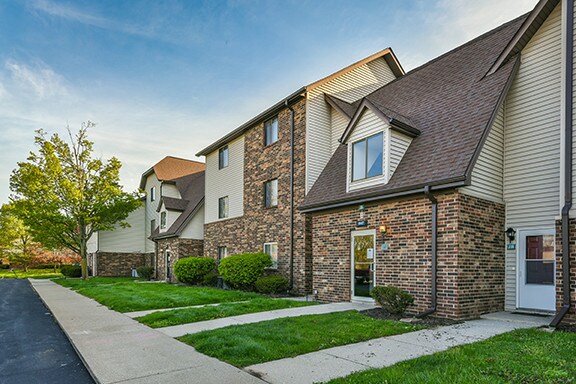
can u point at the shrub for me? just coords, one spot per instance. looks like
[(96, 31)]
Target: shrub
[(191, 270), (392, 299), (272, 284), (71, 270), (145, 272), (242, 271), (4, 266), (210, 279)]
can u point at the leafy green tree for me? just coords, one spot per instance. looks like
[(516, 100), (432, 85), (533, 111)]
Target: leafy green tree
[(64, 194), (16, 245)]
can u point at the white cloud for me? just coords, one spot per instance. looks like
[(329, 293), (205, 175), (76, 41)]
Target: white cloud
[(39, 78)]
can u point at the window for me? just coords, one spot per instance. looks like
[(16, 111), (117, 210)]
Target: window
[(152, 225), (272, 250), (223, 157), (271, 131), (271, 193), (162, 220), (223, 207), (222, 252), (367, 157), (152, 193)]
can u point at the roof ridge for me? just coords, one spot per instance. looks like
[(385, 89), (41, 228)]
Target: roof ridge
[(181, 158)]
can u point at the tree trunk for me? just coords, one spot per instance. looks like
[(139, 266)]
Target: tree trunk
[(83, 252)]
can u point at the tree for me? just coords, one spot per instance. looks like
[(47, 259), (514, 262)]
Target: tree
[(64, 195), (16, 245)]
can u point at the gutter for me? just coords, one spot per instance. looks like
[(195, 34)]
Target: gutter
[(291, 285), (568, 100), (434, 202)]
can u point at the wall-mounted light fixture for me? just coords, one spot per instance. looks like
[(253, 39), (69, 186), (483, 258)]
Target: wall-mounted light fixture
[(361, 207), (511, 233), (384, 229)]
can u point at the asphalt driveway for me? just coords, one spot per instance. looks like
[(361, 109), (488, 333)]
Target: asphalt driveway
[(33, 348)]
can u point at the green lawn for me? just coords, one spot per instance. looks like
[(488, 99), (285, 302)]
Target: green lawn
[(128, 294), (192, 315), (524, 356), (32, 273), (244, 345)]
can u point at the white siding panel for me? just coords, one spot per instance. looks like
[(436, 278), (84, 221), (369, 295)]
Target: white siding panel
[(228, 181), (151, 213), (487, 175), (349, 87), (399, 144), (532, 140), (129, 239), (338, 122), (170, 190), (195, 228)]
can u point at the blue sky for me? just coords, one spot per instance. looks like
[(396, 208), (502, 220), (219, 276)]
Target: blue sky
[(170, 77)]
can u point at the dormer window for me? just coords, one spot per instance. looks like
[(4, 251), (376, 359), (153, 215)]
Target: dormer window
[(367, 155)]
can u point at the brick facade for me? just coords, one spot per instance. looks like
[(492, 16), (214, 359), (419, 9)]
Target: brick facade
[(179, 249), (470, 252), (120, 264), (570, 317), (260, 225)]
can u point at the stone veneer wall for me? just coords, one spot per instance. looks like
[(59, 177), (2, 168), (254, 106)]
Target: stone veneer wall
[(570, 317), (179, 249), (470, 252), (260, 225), (120, 264)]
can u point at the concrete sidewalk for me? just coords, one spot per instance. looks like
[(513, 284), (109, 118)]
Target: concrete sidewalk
[(117, 349)]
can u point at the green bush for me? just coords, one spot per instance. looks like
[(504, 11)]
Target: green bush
[(392, 299), (71, 270), (145, 272), (4, 266), (271, 284), (191, 270), (241, 271), (210, 279)]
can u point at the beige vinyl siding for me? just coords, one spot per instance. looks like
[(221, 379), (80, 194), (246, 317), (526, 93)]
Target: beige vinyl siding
[(487, 176), (170, 190), (195, 228), (228, 181), (532, 141), (151, 214), (349, 87), (338, 123), (171, 217), (92, 244), (399, 144), (130, 239)]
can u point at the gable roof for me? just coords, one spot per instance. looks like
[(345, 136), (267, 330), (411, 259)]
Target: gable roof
[(387, 54), (452, 103), (171, 168)]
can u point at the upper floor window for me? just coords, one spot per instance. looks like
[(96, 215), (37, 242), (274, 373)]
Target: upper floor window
[(152, 225), (271, 131), (272, 250), (223, 207), (223, 157), (367, 157), (152, 193), (163, 220), (271, 193)]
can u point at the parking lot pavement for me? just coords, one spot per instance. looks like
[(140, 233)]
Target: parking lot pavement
[(33, 348)]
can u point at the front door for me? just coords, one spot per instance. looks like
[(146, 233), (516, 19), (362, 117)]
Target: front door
[(363, 263), (536, 270), (167, 264)]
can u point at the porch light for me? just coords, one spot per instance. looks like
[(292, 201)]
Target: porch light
[(384, 230), (361, 207), (511, 233)]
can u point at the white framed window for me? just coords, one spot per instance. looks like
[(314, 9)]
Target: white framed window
[(223, 207), (271, 131), (152, 225), (152, 193), (163, 220), (367, 157), (272, 250), (222, 253), (223, 157), (271, 193)]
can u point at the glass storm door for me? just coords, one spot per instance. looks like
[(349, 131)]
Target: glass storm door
[(363, 263), (536, 270)]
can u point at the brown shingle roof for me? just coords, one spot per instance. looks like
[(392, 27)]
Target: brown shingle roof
[(171, 168), (453, 105)]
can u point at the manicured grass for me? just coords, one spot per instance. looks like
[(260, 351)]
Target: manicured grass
[(192, 315), (523, 356), (128, 294), (31, 273), (244, 345)]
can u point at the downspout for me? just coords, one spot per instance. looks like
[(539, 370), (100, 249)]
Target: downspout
[(434, 247), (291, 285), (568, 99)]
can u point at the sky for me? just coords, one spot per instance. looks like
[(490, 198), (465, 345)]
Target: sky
[(170, 77)]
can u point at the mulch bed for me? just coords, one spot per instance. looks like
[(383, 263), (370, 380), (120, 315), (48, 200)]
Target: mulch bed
[(429, 321), (566, 328)]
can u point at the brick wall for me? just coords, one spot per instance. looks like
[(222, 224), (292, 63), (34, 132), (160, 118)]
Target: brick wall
[(179, 249), (120, 264), (470, 252), (259, 224), (570, 317)]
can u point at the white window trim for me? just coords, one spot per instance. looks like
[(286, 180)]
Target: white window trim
[(152, 194), (227, 211), (374, 180), (274, 263)]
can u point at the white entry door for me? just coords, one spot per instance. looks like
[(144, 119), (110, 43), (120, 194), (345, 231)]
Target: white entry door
[(536, 270)]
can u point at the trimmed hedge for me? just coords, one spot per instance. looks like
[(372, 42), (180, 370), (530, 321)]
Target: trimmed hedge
[(272, 284), (392, 299), (192, 270), (241, 271), (71, 270), (145, 272)]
